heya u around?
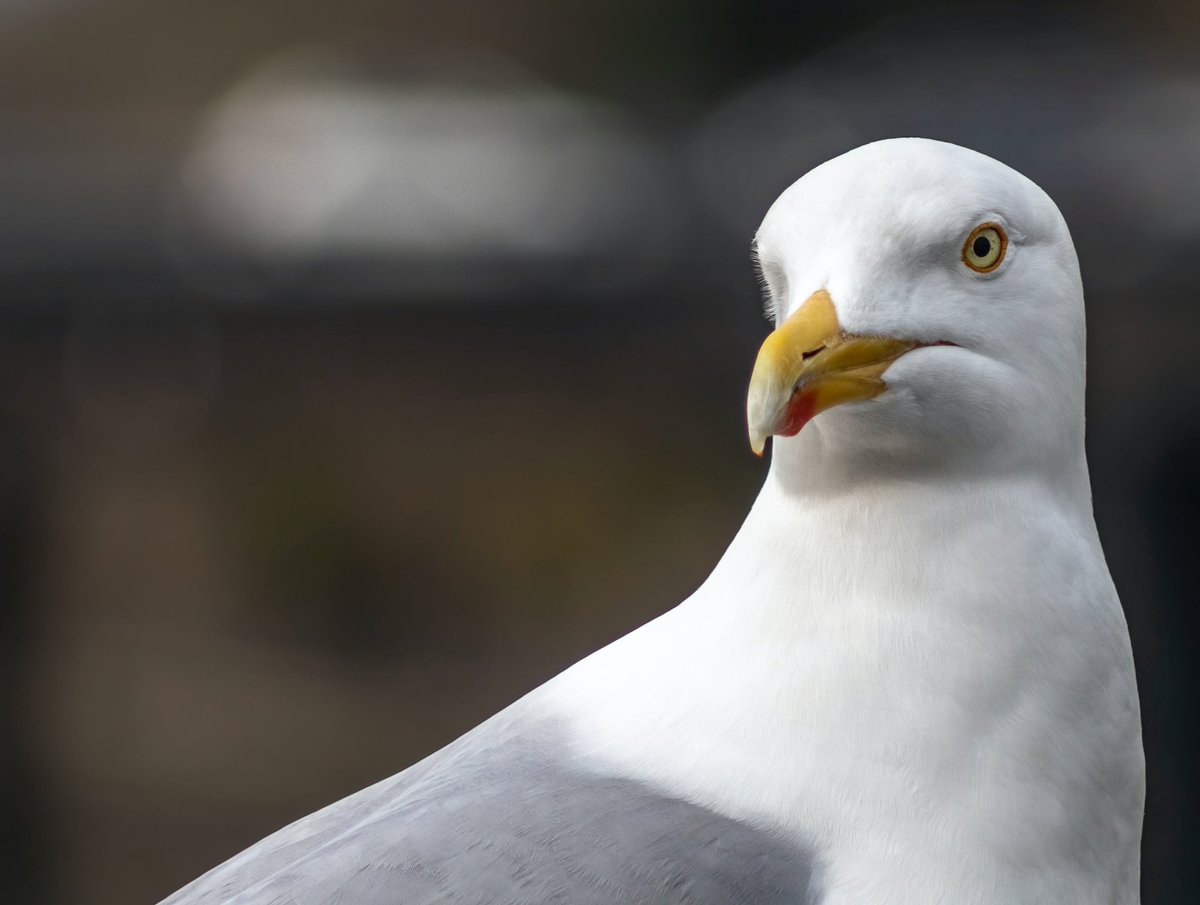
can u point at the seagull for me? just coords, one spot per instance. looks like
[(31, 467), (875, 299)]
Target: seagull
[(909, 679)]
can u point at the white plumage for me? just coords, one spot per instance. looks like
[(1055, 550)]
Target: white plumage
[(912, 656), (909, 675)]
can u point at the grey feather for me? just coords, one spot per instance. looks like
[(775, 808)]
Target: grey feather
[(504, 816)]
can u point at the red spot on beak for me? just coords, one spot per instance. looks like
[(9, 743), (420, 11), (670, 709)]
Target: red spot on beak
[(800, 410)]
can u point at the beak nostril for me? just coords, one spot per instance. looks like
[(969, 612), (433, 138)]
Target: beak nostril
[(805, 356)]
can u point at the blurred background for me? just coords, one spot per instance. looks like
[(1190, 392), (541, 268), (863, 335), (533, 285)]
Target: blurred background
[(365, 363)]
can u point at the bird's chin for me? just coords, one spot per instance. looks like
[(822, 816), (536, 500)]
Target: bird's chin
[(942, 406)]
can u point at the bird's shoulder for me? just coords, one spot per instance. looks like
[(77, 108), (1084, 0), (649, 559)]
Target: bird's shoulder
[(506, 816)]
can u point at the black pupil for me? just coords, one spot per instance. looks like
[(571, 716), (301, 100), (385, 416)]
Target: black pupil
[(981, 246)]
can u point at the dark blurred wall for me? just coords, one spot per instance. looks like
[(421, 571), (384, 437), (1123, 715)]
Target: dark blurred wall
[(365, 364)]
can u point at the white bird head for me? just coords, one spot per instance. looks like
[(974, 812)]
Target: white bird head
[(929, 313)]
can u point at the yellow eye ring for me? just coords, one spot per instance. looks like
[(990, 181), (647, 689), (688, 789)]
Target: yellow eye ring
[(985, 247)]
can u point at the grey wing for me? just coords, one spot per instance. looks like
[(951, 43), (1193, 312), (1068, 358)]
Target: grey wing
[(504, 817)]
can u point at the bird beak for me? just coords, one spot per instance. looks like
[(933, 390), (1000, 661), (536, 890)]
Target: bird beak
[(809, 365)]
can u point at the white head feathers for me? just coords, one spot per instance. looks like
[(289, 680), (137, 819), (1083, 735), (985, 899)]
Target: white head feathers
[(998, 382)]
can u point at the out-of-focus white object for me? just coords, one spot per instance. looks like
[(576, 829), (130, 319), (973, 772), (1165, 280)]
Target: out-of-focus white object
[(304, 162)]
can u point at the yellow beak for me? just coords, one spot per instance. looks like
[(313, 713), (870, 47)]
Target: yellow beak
[(809, 365)]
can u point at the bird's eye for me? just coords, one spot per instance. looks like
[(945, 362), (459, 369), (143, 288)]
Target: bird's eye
[(985, 247)]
